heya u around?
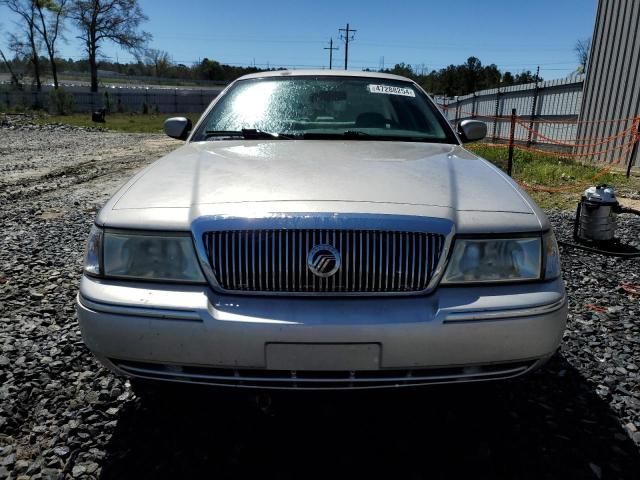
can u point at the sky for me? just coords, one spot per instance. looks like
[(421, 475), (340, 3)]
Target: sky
[(429, 34)]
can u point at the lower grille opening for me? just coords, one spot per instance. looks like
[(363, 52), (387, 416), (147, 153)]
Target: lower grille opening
[(283, 379)]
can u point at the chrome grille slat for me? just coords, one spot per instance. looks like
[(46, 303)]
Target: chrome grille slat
[(226, 247), (413, 263), (279, 259), (276, 260), (406, 261), (259, 232), (274, 267), (366, 274), (299, 235), (355, 251), (306, 281), (253, 261), (401, 235), (393, 262), (340, 272), (233, 261), (334, 278), (314, 279)]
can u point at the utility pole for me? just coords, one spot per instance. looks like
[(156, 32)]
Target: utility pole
[(331, 48), (347, 36)]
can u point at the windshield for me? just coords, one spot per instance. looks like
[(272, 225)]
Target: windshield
[(325, 107)]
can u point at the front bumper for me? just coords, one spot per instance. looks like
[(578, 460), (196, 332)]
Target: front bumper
[(193, 334)]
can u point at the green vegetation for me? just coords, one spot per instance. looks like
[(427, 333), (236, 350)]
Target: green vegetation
[(119, 122), (462, 79), (533, 169), (60, 101)]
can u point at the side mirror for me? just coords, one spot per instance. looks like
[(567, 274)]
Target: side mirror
[(177, 127), (472, 130)]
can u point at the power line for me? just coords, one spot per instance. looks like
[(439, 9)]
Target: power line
[(331, 48), (347, 37)]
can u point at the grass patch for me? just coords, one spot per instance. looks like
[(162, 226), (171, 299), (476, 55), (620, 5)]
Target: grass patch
[(535, 168), (119, 122)]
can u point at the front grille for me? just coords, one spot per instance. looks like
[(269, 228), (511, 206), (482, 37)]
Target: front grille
[(276, 260), (301, 380)]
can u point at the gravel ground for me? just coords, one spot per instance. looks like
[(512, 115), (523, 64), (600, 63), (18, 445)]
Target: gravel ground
[(62, 415)]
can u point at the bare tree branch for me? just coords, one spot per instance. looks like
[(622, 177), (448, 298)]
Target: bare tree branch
[(117, 21), (582, 49), (159, 60), (51, 15), (14, 78), (26, 10)]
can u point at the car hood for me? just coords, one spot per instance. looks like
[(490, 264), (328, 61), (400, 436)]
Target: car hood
[(232, 177), (349, 171)]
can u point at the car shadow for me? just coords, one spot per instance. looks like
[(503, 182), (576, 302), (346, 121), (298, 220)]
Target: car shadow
[(550, 425)]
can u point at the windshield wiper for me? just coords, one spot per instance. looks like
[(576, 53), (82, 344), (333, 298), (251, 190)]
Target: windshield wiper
[(336, 135), (360, 135), (247, 134), (355, 133)]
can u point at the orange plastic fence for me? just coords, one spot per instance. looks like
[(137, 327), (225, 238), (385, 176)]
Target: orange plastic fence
[(619, 139), (574, 186), (623, 147), (600, 141)]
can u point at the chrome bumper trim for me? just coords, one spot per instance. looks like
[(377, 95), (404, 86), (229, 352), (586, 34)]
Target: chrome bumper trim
[(161, 313), (501, 314)]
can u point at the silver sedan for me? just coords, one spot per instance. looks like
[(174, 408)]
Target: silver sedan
[(322, 230)]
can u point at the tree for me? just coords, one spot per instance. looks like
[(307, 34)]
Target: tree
[(117, 21), (51, 14), (159, 60), (491, 76), (471, 74), (26, 11), (582, 49), (14, 78), (526, 77), (403, 70), (507, 79)]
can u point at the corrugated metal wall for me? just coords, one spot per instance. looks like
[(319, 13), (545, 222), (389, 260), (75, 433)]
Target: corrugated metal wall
[(558, 100), (612, 86)]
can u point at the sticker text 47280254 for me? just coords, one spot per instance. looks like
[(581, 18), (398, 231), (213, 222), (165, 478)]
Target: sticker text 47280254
[(391, 90)]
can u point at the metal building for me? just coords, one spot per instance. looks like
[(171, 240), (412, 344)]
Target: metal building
[(611, 96)]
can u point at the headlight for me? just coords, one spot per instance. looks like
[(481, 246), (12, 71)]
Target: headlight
[(147, 256), (94, 252), (551, 256), (494, 260)]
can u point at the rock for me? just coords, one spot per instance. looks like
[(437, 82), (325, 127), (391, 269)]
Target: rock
[(78, 470), (21, 466), (61, 451)]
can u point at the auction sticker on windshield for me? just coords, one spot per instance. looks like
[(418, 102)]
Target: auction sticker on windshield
[(390, 90)]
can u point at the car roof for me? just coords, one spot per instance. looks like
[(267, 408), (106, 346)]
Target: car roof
[(325, 73)]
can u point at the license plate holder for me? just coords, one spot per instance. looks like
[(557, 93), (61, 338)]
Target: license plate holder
[(323, 356)]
